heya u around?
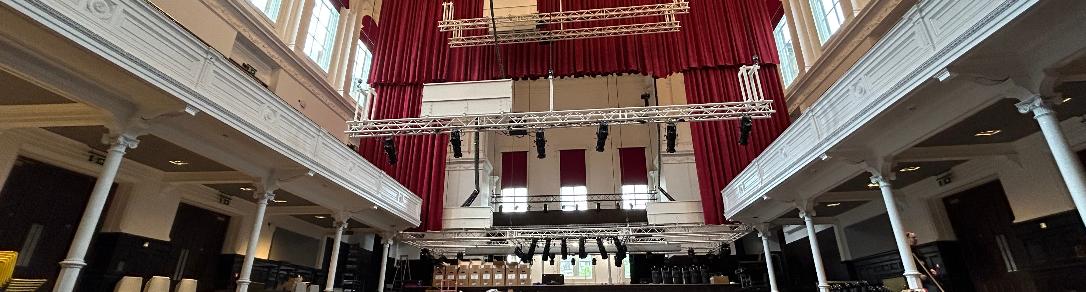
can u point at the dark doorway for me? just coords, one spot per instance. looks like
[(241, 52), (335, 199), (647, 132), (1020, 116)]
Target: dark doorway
[(983, 222), (40, 208), (197, 236)]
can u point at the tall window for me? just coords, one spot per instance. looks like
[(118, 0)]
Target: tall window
[(635, 181), (582, 270), (363, 62), (828, 17), (322, 32), (269, 7), (572, 177), (789, 67), (514, 196), (626, 267)]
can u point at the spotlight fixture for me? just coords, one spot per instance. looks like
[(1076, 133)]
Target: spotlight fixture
[(454, 139), (552, 261), (690, 251), (745, 125), (547, 249), (601, 137), (540, 145), (390, 150), (581, 253), (564, 249), (489, 258), (987, 133), (517, 251), (593, 261), (531, 248), (725, 249), (460, 256), (573, 262), (671, 133), (603, 250)]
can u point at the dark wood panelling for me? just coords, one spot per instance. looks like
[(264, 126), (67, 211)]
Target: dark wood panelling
[(115, 255), (1055, 251), (887, 264)]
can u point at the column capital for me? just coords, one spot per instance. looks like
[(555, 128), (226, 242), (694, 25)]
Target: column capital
[(764, 229), (881, 180), (1037, 104), (121, 141), (806, 208), (264, 195)]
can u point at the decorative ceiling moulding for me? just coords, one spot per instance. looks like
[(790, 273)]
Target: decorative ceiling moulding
[(533, 22), (264, 38)]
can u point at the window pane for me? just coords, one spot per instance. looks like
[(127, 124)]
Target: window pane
[(788, 66), (828, 17), (360, 73), (321, 33), (635, 196), (269, 7), (514, 200), (574, 198)]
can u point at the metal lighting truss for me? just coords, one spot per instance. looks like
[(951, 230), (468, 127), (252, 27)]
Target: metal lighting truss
[(458, 26), (541, 199), (755, 109), (699, 236)]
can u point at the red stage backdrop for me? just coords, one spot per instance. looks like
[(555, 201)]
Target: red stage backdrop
[(717, 37)]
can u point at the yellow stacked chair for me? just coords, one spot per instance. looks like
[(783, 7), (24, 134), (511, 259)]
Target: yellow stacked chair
[(7, 266)]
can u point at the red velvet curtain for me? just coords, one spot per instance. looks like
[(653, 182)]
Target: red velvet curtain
[(716, 37), (515, 169), (632, 162), (716, 142), (369, 33), (571, 168)]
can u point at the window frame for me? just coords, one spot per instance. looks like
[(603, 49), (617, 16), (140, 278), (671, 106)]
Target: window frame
[(323, 57), (574, 198), (519, 203), (635, 197), (821, 16), (789, 65), (271, 12), (580, 267)]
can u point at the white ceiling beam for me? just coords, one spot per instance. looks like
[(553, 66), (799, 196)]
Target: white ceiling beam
[(798, 221), (49, 115), (207, 177), (955, 152), (298, 210)]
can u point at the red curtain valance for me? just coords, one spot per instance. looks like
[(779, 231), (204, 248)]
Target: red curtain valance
[(369, 33), (571, 168)]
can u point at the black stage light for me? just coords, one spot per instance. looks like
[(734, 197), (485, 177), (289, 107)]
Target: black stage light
[(593, 261), (490, 258), (546, 207), (745, 125), (671, 133), (601, 137), (603, 250), (531, 249), (581, 253), (455, 140), (540, 145), (725, 249), (518, 132), (460, 256), (547, 249), (390, 150), (690, 251), (517, 251), (552, 261), (573, 262), (564, 250)]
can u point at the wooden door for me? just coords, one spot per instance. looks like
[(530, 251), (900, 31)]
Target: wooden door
[(982, 220)]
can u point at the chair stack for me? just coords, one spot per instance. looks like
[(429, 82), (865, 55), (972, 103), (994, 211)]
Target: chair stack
[(7, 266), (155, 284), (25, 285), (128, 284)]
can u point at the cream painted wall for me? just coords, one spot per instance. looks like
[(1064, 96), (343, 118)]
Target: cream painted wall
[(206, 24)]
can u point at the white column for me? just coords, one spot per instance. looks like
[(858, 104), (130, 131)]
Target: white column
[(333, 262), (912, 275), (387, 241), (73, 263), (820, 269), (254, 237), (298, 34), (342, 28), (764, 233), (793, 33), (1070, 167)]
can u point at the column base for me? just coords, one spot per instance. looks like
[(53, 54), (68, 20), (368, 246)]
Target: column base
[(243, 285), (73, 264), (824, 288)]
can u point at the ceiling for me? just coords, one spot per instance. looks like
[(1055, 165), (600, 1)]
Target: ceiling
[(904, 178), (152, 151), (828, 209), (1004, 116), (17, 91), (245, 192), (325, 220)]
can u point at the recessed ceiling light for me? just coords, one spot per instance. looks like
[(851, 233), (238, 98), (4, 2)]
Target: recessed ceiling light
[(986, 133), (178, 162), (247, 189), (320, 217), (279, 201), (873, 185), (1066, 99), (833, 204), (908, 169)]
